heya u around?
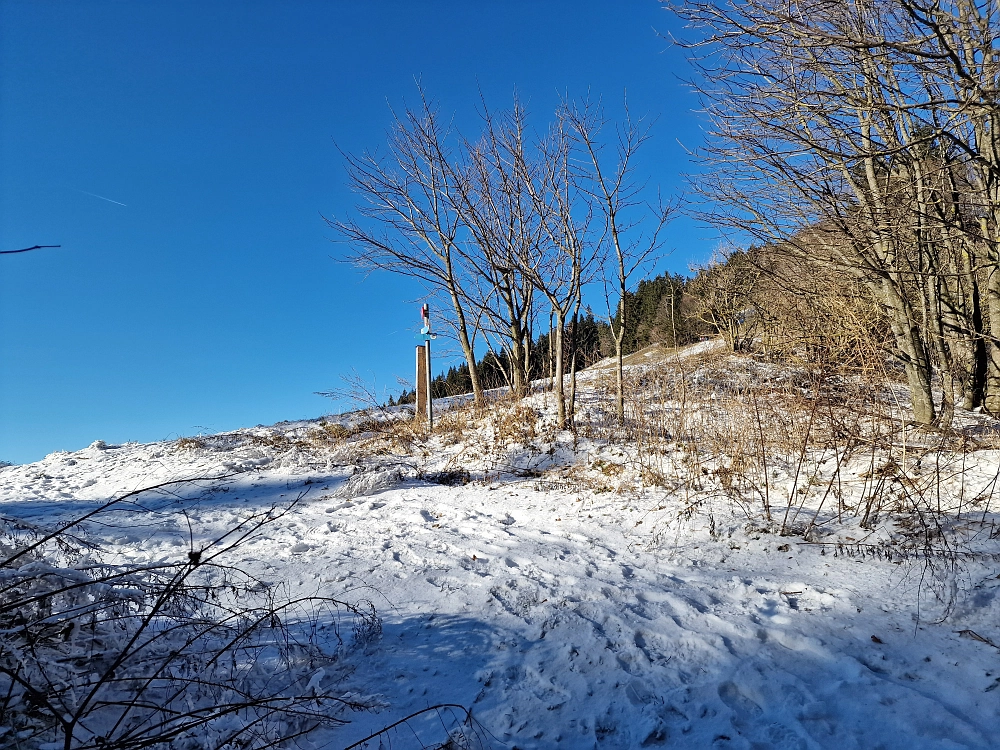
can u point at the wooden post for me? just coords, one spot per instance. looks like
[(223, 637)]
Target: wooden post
[(430, 397), (423, 382)]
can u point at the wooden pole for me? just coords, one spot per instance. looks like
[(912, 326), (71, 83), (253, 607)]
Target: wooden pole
[(430, 398), (422, 382)]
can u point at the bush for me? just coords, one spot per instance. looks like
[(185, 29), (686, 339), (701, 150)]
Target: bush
[(192, 653)]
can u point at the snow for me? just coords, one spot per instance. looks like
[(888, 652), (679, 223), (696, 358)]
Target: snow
[(567, 613)]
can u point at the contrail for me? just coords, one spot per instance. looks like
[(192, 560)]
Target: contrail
[(99, 196)]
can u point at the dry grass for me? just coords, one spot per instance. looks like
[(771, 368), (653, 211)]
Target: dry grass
[(799, 452), (453, 426), (788, 450), (188, 444), (511, 422)]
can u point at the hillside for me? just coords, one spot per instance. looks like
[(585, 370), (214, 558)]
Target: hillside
[(616, 588)]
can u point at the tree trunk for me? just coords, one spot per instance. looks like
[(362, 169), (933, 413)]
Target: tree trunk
[(572, 364), (518, 377), (558, 369), (618, 336), (943, 352), (916, 363), (992, 399), (974, 384), (467, 350), (619, 377)]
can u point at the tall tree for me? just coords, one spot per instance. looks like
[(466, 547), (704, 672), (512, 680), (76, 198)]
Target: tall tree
[(567, 255), (506, 230), (411, 223), (833, 116), (611, 185)]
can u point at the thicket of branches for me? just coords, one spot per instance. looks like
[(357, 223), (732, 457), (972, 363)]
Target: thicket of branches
[(858, 141), (507, 230), (794, 309), (185, 653)]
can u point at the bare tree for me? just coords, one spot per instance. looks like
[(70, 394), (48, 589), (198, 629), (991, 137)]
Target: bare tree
[(810, 312), (614, 189), (954, 46), (27, 249), (496, 223), (866, 123), (724, 297), (412, 224), (506, 230), (567, 256)]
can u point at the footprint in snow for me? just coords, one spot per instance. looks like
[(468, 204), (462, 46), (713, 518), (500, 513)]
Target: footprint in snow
[(515, 598), (749, 721), (741, 705)]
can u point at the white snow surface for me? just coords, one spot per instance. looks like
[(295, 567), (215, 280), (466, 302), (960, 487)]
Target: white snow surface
[(566, 618)]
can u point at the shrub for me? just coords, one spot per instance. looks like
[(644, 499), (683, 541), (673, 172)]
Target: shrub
[(191, 653)]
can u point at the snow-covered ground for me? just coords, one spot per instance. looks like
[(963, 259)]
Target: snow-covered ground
[(569, 614)]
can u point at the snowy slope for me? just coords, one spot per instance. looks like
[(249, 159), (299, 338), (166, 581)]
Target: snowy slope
[(562, 616)]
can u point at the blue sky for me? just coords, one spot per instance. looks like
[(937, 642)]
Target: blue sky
[(209, 300)]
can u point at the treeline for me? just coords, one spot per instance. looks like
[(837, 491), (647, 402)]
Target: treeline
[(661, 310)]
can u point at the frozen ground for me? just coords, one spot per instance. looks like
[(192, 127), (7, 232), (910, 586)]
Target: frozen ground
[(565, 617)]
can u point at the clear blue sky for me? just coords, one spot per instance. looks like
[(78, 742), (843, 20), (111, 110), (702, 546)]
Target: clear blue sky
[(209, 300)]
